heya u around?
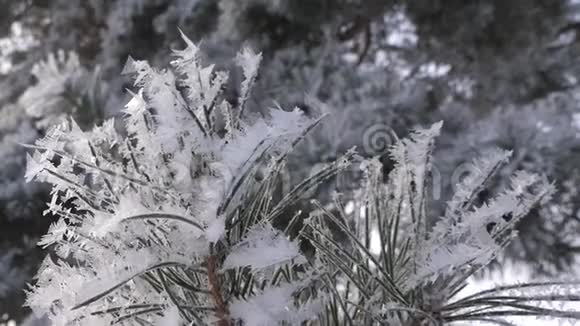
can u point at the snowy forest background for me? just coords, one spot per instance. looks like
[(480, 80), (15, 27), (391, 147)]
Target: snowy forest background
[(498, 73)]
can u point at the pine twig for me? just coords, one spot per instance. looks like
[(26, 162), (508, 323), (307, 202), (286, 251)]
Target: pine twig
[(215, 291)]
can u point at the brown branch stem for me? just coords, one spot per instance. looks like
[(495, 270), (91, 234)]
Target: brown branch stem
[(215, 291)]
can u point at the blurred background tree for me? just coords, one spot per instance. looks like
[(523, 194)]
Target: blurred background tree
[(499, 73)]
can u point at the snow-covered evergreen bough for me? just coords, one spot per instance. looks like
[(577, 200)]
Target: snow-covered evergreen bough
[(172, 224)]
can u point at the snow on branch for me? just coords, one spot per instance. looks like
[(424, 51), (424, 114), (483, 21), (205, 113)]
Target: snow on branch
[(158, 226), (399, 264), (172, 220)]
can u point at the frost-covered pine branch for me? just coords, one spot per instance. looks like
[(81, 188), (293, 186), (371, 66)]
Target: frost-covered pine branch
[(171, 225), (543, 136), (399, 265), (172, 221)]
